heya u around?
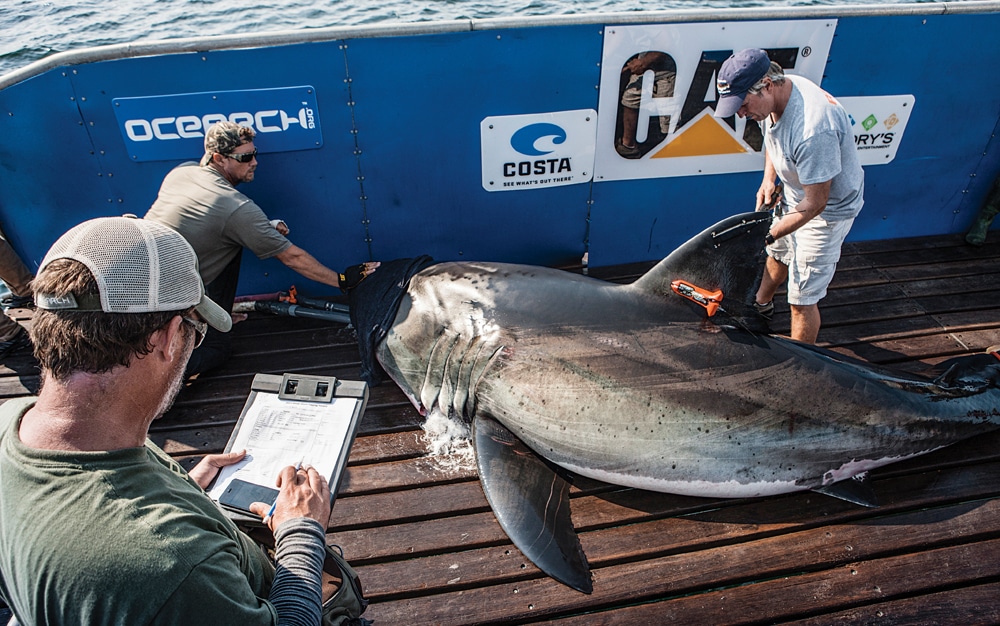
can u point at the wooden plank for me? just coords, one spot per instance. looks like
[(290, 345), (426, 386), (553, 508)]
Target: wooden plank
[(687, 573), (956, 322), (429, 550), (385, 411), (914, 250), (965, 292), (407, 473), (633, 524), (848, 589), (211, 438), (972, 606), (924, 348)]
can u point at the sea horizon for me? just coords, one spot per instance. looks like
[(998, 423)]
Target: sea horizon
[(34, 30)]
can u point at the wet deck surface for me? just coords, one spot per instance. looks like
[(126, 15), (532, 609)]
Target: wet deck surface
[(429, 551)]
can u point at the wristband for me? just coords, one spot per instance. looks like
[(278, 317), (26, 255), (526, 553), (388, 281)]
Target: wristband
[(351, 277)]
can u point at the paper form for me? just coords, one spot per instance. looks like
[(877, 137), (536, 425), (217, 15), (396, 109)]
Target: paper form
[(277, 433)]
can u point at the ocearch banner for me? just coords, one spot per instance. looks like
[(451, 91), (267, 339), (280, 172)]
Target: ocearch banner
[(658, 94), (171, 127)]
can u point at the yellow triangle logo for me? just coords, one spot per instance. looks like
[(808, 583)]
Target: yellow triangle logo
[(703, 137)]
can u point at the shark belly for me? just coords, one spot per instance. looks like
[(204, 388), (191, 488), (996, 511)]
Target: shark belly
[(676, 409)]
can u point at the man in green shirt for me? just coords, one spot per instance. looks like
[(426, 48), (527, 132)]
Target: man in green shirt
[(97, 524)]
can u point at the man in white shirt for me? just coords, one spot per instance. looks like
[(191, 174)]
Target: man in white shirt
[(809, 146)]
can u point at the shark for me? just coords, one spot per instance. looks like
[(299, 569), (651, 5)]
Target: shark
[(672, 383)]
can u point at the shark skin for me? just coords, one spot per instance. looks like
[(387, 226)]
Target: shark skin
[(635, 385)]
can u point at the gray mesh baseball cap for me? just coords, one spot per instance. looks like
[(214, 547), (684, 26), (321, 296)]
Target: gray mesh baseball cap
[(140, 266)]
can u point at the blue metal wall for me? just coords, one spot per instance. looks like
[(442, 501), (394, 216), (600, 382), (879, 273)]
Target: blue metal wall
[(412, 105)]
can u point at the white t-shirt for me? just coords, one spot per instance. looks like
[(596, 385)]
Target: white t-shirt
[(812, 143)]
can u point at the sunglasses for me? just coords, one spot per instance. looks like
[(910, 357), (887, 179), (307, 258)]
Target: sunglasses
[(244, 157), (199, 327)]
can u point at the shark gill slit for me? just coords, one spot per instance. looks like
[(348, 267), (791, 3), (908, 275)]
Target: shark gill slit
[(471, 371), (434, 372), (463, 378), (477, 373)]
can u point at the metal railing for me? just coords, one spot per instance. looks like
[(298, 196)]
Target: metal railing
[(288, 37)]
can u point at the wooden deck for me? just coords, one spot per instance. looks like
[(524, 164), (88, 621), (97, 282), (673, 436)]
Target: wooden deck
[(429, 551)]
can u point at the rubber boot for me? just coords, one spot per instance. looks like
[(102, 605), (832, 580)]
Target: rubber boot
[(977, 233), (13, 272)]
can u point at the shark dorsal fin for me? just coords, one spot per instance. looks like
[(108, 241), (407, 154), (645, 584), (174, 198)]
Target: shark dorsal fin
[(726, 257)]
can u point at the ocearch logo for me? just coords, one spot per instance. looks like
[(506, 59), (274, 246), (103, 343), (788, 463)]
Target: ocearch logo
[(172, 126), (193, 126)]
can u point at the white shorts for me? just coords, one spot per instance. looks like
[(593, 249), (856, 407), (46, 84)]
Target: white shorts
[(811, 254)]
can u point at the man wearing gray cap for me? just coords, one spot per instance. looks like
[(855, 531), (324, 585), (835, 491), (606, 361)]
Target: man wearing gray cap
[(809, 146), (200, 202), (97, 524)]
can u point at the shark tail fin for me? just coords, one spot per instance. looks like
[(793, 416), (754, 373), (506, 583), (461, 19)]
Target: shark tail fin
[(970, 374)]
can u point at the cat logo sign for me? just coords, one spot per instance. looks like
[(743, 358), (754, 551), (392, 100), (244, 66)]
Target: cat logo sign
[(658, 95)]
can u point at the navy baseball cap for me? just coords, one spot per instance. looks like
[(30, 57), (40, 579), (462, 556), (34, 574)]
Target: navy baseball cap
[(737, 75)]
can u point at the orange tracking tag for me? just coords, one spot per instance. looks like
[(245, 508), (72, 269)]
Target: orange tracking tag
[(708, 299)]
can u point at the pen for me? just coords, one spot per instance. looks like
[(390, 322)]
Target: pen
[(270, 511)]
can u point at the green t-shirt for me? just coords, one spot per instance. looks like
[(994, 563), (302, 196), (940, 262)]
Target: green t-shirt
[(122, 537)]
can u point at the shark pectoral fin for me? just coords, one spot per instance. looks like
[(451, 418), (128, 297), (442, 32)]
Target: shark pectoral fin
[(857, 490), (531, 502)]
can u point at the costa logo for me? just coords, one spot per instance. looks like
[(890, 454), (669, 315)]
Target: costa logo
[(527, 139), (537, 150)]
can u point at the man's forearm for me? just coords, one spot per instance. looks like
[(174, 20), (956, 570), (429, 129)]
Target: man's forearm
[(306, 264), (796, 218), (300, 549)]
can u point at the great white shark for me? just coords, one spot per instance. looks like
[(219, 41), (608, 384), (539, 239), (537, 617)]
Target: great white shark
[(637, 385)]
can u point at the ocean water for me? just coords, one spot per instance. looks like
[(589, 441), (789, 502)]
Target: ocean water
[(33, 29)]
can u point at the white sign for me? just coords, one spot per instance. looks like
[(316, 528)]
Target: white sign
[(538, 150), (658, 94), (878, 123)]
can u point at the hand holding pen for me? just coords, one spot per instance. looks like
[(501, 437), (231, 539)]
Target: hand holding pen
[(270, 512), (302, 492)]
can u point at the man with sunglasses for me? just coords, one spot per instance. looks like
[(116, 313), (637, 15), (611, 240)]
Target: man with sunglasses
[(97, 524), (200, 201)]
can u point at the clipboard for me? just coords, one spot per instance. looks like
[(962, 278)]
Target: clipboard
[(289, 419)]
